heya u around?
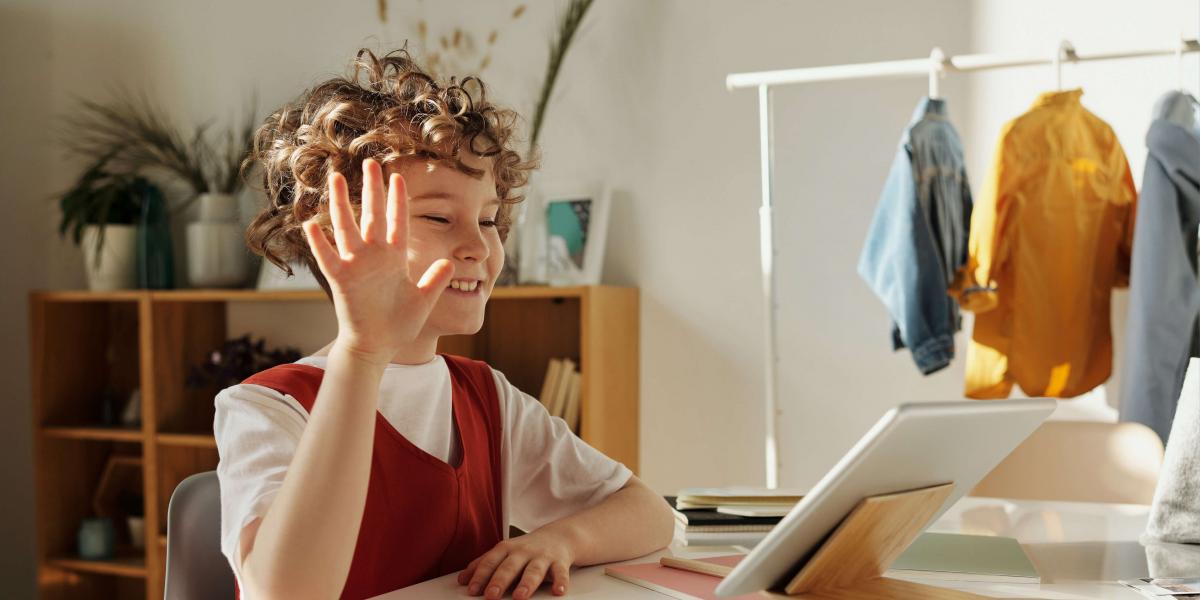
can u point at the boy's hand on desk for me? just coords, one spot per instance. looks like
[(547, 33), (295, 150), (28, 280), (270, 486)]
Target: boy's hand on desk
[(525, 562), (379, 307)]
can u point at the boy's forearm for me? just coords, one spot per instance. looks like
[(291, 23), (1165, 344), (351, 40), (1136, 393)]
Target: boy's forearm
[(632, 522), (306, 540)]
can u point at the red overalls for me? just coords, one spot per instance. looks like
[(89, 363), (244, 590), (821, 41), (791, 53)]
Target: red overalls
[(423, 518)]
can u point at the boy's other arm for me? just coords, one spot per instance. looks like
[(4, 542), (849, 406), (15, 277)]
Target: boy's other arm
[(303, 544), (631, 522)]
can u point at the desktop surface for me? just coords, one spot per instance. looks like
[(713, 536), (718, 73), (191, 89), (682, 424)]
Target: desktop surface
[(1080, 549)]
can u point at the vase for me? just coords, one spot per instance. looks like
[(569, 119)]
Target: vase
[(531, 238), (137, 531), (216, 247), (116, 267), (155, 261), (96, 539)]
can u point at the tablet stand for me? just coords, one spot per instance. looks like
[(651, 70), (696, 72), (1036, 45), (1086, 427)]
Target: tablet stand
[(851, 562)]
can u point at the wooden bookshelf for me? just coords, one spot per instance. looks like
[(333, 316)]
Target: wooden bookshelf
[(84, 343)]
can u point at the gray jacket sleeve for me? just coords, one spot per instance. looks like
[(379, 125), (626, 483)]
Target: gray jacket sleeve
[(1162, 306)]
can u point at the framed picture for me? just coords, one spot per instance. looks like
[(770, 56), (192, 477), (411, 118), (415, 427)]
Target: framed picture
[(574, 226)]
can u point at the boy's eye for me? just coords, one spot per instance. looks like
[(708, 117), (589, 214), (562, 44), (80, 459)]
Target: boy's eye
[(436, 219), (488, 223)]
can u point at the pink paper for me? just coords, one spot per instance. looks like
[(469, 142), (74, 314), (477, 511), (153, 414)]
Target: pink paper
[(684, 584)]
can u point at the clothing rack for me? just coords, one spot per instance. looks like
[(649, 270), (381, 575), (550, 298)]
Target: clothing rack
[(935, 67)]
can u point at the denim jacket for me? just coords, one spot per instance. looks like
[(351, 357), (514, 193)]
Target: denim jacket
[(918, 238)]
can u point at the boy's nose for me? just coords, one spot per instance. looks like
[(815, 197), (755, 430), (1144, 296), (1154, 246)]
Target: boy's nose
[(472, 248)]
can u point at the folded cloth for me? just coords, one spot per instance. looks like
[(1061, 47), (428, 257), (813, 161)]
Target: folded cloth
[(1171, 561), (1175, 513)]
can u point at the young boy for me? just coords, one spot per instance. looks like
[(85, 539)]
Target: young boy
[(377, 463)]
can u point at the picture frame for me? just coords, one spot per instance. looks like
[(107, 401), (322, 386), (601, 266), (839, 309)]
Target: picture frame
[(571, 232)]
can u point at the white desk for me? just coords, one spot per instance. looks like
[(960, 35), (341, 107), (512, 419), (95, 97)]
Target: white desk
[(1080, 549)]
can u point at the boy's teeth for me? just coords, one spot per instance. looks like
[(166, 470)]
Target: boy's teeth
[(464, 286)]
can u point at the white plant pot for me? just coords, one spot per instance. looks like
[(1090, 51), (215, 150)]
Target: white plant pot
[(217, 208), (117, 269), (216, 256), (216, 247)]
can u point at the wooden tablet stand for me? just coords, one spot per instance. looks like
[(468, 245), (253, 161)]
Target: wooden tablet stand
[(850, 564)]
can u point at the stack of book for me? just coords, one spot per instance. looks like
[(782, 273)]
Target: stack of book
[(561, 390), (735, 516)]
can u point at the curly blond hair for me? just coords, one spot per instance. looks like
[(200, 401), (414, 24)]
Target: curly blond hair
[(399, 112)]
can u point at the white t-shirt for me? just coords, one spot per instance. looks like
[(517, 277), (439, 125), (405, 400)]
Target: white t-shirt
[(547, 471)]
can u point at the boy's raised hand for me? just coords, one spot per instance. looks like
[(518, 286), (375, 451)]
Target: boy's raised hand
[(379, 307)]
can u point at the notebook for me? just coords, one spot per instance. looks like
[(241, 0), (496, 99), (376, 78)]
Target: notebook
[(959, 557), (776, 511), (714, 497), (744, 539), (710, 517), (676, 583)]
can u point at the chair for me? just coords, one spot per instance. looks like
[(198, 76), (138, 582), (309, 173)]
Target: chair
[(196, 569), (1080, 461)]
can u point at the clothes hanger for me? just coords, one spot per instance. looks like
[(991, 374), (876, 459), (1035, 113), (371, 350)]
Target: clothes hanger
[(1065, 49), (1180, 47), (937, 68)]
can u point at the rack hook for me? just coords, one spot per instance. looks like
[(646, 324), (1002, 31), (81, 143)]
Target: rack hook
[(937, 68), (1184, 46), (1065, 49)]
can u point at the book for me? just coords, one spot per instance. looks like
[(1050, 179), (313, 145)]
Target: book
[(745, 539), (749, 510), (739, 496), (550, 382), (711, 517), (571, 411), (676, 583), (960, 557), (727, 529), (560, 388)]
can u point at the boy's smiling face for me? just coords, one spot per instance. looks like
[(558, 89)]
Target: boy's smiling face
[(452, 215)]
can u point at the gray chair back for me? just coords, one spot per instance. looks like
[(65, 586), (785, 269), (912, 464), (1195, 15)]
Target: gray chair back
[(196, 569)]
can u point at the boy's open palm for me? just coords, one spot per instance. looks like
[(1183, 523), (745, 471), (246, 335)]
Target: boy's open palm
[(379, 307)]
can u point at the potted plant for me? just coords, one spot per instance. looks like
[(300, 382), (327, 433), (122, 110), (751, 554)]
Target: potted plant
[(141, 138), (527, 240), (236, 360), (100, 212)]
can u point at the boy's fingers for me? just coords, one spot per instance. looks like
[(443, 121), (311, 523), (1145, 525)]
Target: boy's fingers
[(465, 575), (504, 576), (436, 278), (397, 212), (323, 251), (374, 227), (535, 572), (559, 574), (345, 231), (483, 571)]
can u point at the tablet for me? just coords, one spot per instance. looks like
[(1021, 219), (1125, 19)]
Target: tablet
[(913, 446)]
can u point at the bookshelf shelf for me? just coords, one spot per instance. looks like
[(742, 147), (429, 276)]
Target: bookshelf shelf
[(87, 346), (187, 440), (112, 434), (129, 566)]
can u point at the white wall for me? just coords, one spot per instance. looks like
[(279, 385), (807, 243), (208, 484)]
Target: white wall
[(702, 339), (25, 160)]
